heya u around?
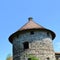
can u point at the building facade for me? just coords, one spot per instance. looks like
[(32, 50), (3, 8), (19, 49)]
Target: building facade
[(32, 41), (57, 55)]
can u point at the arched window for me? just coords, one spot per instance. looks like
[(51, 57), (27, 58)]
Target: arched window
[(26, 45)]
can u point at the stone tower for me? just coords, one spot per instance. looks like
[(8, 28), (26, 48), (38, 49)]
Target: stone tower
[(32, 41)]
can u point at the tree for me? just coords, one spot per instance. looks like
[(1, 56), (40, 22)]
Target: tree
[(9, 57)]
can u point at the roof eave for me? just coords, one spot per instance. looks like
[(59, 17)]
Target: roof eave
[(20, 31)]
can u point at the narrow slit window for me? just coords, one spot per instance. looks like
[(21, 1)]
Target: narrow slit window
[(17, 36), (48, 34), (26, 45)]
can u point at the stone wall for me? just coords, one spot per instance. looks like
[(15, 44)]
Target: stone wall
[(40, 45)]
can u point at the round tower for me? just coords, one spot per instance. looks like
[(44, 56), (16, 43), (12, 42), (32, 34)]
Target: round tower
[(32, 41)]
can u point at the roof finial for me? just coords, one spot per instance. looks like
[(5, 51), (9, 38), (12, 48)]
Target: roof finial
[(30, 18)]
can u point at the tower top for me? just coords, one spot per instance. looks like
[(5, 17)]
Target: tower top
[(30, 18)]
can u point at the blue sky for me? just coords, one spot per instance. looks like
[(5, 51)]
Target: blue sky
[(15, 13)]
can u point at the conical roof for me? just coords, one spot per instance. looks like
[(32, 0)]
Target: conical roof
[(28, 26), (31, 25)]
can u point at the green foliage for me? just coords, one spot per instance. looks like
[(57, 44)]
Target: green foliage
[(33, 57)]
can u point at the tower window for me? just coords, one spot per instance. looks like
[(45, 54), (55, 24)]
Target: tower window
[(26, 45), (48, 34), (29, 58), (17, 36), (48, 58), (32, 32)]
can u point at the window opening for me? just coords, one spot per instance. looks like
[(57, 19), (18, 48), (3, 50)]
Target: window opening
[(48, 58), (26, 45), (32, 32), (48, 34), (17, 36)]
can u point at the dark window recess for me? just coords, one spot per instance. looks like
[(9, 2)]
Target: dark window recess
[(32, 32), (17, 36), (29, 58), (26, 45), (48, 34), (48, 58)]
